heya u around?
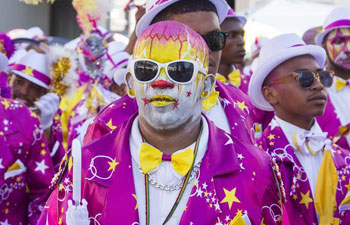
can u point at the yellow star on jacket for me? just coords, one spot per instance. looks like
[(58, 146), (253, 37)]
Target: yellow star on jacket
[(230, 197), (110, 124), (151, 158), (305, 199), (112, 165)]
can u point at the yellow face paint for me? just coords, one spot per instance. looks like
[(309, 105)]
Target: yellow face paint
[(338, 47)]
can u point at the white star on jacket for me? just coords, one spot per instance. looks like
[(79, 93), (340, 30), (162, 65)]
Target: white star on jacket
[(41, 166)]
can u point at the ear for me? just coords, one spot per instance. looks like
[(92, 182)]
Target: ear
[(129, 84), (209, 85), (270, 95)]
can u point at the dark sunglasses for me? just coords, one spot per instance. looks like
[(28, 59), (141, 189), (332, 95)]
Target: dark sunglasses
[(178, 71), (215, 40), (306, 78)]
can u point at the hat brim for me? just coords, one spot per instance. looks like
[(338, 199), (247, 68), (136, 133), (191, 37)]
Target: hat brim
[(30, 78), (259, 76), (146, 20), (241, 19), (320, 37)]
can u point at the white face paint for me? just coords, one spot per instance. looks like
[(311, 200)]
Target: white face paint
[(168, 108), (162, 103)]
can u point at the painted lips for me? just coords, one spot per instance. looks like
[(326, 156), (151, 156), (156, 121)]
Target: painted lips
[(161, 100)]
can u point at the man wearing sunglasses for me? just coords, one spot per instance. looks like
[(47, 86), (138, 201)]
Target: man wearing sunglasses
[(289, 80), (228, 107), (233, 52), (335, 39), (162, 166)]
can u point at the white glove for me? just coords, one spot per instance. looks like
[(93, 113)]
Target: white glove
[(77, 215), (48, 106)]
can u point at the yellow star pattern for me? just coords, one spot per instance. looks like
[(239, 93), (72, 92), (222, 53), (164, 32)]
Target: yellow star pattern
[(271, 137), (241, 105), (348, 186), (305, 199), (110, 125), (112, 165), (230, 197), (43, 152), (6, 103), (28, 71)]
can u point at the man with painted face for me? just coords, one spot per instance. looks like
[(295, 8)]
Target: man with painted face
[(162, 165), (314, 171), (335, 39), (228, 107)]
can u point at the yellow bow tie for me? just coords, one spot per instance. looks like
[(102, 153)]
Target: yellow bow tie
[(151, 158), (340, 84), (234, 78)]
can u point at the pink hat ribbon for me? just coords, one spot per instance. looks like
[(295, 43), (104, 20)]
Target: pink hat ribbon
[(159, 2), (31, 72), (338, 23)]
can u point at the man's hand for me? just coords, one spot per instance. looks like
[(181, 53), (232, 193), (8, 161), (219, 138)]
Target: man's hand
[(48, 106)]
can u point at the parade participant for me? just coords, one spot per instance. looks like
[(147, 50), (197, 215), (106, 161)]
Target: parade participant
[(228, 107), (335, 39), (214, 178), (233, 52), (291, 81), (30, 80), (25, 165)]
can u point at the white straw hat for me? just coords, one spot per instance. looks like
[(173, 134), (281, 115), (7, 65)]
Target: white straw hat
[(231, 14), (338, 18), (33, 66), (154, 7), (272, 54)]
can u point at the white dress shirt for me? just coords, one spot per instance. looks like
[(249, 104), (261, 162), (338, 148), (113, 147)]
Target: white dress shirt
[(310, 163), (162, 201), (341, 103), (218, 116)]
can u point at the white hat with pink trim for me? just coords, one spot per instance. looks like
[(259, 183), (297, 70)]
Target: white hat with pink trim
[(231, 14), (273, 53), (33, 66), (153, 7), (338, 18)]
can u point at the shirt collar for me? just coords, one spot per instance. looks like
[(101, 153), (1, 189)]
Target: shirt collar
[(290, 129)]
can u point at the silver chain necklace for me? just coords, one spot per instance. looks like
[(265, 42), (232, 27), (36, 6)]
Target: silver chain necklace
[(173, 187)]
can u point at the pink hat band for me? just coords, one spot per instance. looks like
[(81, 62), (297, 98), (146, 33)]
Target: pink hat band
[(31, 72), (339, 23)]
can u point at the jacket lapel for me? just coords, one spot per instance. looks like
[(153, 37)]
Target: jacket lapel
[(203, 199), (111, 169), (298, 191), (238, 110)]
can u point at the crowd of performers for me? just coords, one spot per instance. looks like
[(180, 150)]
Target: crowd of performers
[(176, 127)]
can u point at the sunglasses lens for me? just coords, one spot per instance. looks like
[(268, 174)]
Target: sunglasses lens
[(306, 79), (215, 40), (181, 71), (145, 70), (326, 78)]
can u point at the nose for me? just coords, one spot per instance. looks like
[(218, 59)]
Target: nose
[(240, 40), (317, 85)]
